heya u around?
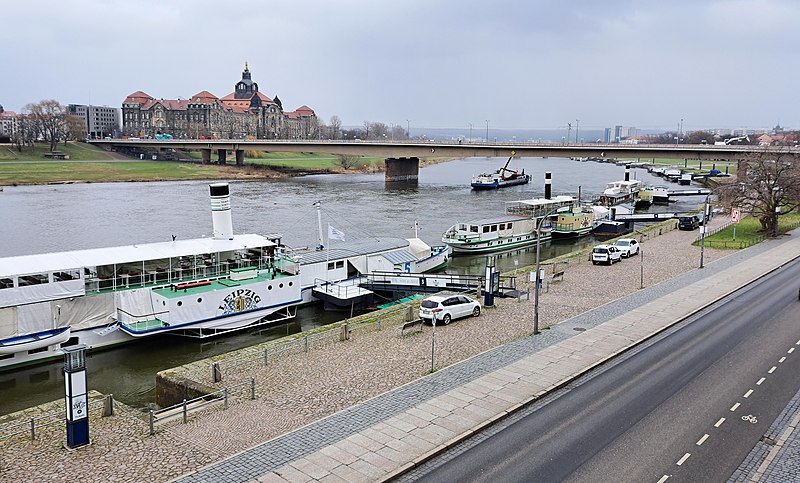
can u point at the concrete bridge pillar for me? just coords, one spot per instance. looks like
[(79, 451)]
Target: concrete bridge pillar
[(222, 156), (403, 171), (239, 157), (206, 153)]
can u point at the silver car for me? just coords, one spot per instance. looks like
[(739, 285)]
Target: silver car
[(446, 307)]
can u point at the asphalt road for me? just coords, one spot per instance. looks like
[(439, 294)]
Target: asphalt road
[(642, 419)]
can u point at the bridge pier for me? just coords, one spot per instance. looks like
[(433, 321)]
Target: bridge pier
[(206, 155), (222, 156), (239, 157), (402, 172)]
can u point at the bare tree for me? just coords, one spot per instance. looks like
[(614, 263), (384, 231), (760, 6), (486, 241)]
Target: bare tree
[(379, 130), (336, 126), (767, 186), (48, 117), (347, 161), (75, 128), (367, 127)]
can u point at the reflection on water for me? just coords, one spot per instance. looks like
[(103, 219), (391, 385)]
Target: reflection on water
[(69, 217)]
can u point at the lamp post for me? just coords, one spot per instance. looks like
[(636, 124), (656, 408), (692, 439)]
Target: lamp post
[(703, 234), (408, 129), (577, 126), (538, 267), (487, 131), (470, 132)]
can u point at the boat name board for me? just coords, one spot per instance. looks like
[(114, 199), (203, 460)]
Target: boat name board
[(239, 300)]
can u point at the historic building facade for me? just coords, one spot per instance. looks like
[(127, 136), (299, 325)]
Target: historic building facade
[(244, 113)]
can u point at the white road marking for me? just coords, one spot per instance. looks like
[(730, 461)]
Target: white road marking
[(760, 381), (790, 350), (771, 370), (702, 440), (719, 423), (797, 343), (748, 393), (780, 361), (663, 479), (735, 407), (683, 460)]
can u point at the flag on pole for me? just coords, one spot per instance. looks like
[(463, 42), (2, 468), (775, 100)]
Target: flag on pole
[(334, 234)]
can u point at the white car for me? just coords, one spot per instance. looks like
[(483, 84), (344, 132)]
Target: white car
[(628, 247), (606, 254), (446, 307)]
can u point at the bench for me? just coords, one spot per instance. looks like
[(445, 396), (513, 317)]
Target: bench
[(184, 286), (410, 325), (557, 276), (56, 155)]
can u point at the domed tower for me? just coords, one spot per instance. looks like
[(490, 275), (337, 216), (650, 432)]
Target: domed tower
[(245, 88)]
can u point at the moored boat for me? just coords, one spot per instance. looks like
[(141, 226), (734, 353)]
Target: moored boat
[(577, 221)]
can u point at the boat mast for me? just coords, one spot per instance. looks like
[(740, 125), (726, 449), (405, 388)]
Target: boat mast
[(318, 206)]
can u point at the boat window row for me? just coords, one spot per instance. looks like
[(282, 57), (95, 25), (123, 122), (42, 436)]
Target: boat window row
[(38, 279), (493, 228), (338, 264)]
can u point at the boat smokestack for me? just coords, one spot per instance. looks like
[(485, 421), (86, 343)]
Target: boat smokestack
[(547, 181), (221, 211), (627, 173)]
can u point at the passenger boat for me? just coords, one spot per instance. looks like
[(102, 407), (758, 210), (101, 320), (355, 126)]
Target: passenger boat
[(100, 297), (575, 222), (501, 178), (517, 228)]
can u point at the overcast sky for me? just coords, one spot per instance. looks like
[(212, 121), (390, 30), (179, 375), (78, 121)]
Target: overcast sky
[(519, 64)]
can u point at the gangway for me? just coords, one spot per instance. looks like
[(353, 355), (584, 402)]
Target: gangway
[(645, 216), (345, 294), (694, 192), (433, 282)]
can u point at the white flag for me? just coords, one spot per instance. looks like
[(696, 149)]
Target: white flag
[(334, 234)]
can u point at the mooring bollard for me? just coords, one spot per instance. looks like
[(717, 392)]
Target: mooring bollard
[(379, 322), (266, 356), (252, 388), (184, 411), (305, 343), (216, 374), (152, 425), (225, 398), (33, 429), (108, 405)]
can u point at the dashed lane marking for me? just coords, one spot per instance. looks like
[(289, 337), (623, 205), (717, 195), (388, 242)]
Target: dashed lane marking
[(719, 423), (702, 440), (780, 361), (735, 407), (797, 343), (748, 393), (760, 381), (771, 370), (790, 350), (683, 459), (663, 479)]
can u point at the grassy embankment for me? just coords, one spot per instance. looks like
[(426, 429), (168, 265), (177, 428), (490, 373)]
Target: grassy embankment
[(747, 232), (692, 164)]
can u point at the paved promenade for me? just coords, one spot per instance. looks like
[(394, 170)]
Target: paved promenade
[(393, 433)]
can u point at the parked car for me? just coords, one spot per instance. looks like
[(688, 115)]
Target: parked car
[(688, 223), (628, 246), (606, 254), (447, 307)]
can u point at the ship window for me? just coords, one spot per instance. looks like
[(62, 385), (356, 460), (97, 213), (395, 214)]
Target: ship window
[(486, 229), (340, 264), (291, 283), (180, 303), (36, 351), (502, 226), (280, 286), (35, 279), (64, 276), (269, 287), (508, 226), (6, 356), (6, 283), (494, 227), (200, 300), (473, 228), (330, 265)]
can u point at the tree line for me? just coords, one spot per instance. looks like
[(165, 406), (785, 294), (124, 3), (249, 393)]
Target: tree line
[(47, 121)]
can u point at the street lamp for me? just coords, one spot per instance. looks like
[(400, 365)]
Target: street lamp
[(408, 129), (487, 131), (577, 125), (703, 234), (538, 267), (470, 132)]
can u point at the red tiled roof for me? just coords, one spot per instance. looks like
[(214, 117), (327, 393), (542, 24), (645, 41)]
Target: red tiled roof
[(302, 111), (264, 98), (139, 97), (204, 97), (170, 104), (8, 114)]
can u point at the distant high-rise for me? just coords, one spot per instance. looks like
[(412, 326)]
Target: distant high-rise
[(101, 121)]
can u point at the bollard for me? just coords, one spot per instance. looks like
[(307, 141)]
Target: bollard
[(379, 322), (266, 356), (33, 429), (305, 343), (184, 411), (344, 333), (225, 398), (108, 405), (152, 426), (252, 388), (216, 374)]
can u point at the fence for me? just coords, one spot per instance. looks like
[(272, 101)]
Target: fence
[(54, 417), (192, 405), (322, 337)]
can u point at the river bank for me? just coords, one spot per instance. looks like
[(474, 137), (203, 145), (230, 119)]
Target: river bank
[(300, 388)]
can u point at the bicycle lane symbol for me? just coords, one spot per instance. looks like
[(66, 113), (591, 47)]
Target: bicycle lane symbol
[(752, 419)]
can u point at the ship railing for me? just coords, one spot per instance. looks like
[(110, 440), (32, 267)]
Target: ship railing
[(36, 424), (188, 406), (126, 318)]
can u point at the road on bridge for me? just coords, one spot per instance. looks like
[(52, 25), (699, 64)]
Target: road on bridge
[(688, 406)]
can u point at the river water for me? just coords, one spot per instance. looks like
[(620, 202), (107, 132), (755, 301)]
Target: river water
[(40, 219)]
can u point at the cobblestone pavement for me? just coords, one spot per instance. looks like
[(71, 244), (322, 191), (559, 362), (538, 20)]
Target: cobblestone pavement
[(343, 386)]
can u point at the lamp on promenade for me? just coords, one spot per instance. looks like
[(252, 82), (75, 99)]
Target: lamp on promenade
[(538, 266), (487, 131), (470, 132), (706, 212)]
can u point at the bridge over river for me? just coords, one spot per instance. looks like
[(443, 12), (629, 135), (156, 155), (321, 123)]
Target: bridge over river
[(402, 158)]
